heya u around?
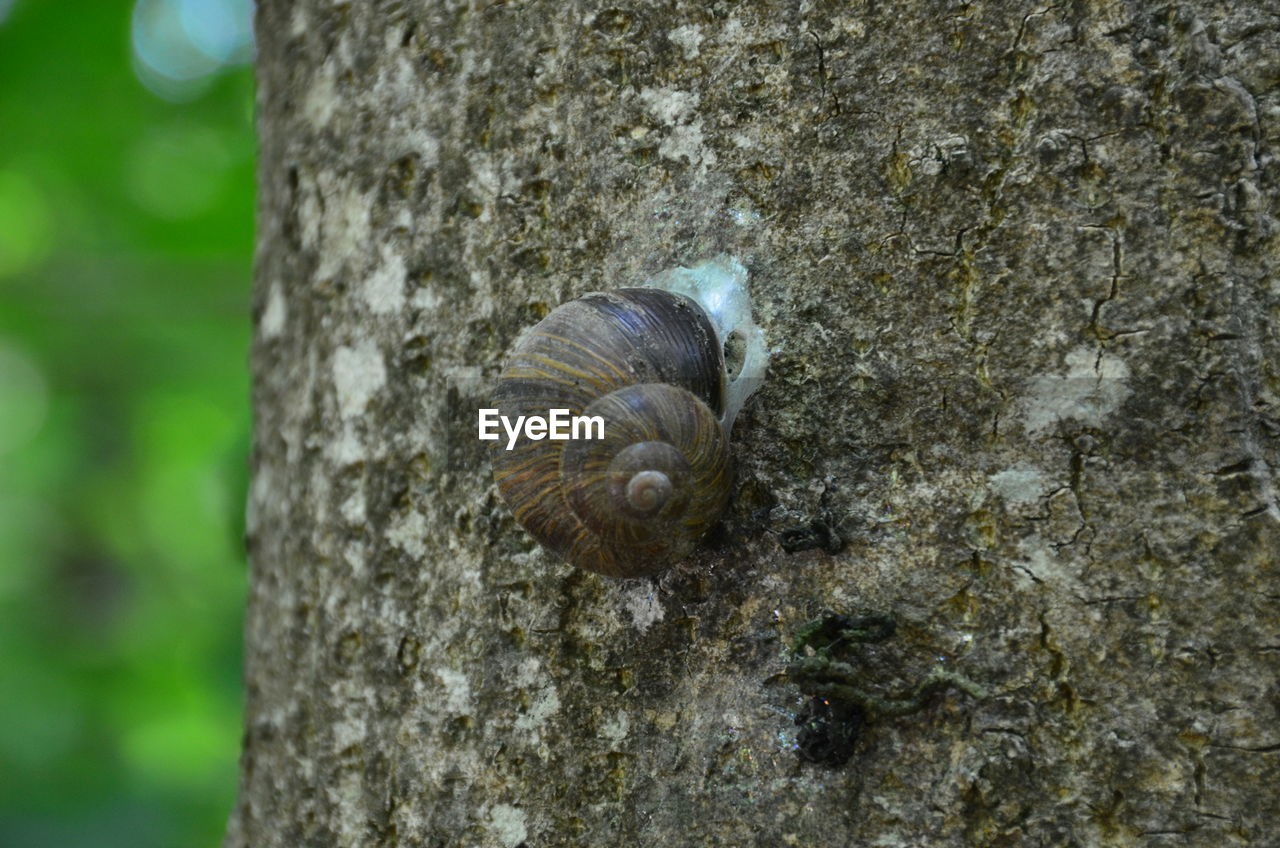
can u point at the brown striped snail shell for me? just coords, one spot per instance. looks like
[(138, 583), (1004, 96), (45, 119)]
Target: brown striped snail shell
[(650, 362)]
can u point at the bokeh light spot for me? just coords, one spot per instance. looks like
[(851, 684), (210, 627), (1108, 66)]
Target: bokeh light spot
[(25, 226), (182, 485), (24, 398), (179, 45), (167, 61), (178, 747), (177, 172), (220, 29)]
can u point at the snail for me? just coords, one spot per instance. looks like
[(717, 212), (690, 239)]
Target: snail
[(650, 363)]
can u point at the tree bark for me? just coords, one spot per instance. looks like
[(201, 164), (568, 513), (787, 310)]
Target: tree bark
[(1018, 267)]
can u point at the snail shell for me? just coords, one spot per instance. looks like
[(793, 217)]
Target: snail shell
[(649, 362)]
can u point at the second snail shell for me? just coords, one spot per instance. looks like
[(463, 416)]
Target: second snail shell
[(650, 362)]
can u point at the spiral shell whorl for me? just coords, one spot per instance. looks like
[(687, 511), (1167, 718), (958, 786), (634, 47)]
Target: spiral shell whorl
[(652, 430), (649, 363)]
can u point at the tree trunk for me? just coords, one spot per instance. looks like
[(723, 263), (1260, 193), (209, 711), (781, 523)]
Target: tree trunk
[(1017, 264)]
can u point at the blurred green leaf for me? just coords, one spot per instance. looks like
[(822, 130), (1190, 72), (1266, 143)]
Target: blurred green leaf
[(126, 226)]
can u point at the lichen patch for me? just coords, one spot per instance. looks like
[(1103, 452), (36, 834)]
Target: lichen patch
[(687, 38), (508, 824), (384, 288), (348, 733), (669, 105), (641, 603), (686, 143), (407, 533), (344, 230), (457, 690), (346, 448), (358, 374), (1094, 387), (527, 672), (353, 508), (616, 727), (275, 314), (545, 703), (322, 97), (1019, 484)]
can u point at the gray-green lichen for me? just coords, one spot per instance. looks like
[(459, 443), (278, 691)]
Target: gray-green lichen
[(1019, 265)]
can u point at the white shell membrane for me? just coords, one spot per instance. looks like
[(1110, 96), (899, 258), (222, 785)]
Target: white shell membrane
[(719, 286)]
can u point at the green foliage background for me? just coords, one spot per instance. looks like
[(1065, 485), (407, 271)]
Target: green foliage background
[(126, 229)]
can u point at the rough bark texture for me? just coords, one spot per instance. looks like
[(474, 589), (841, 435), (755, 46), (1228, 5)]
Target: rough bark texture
[(1018, 264)]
